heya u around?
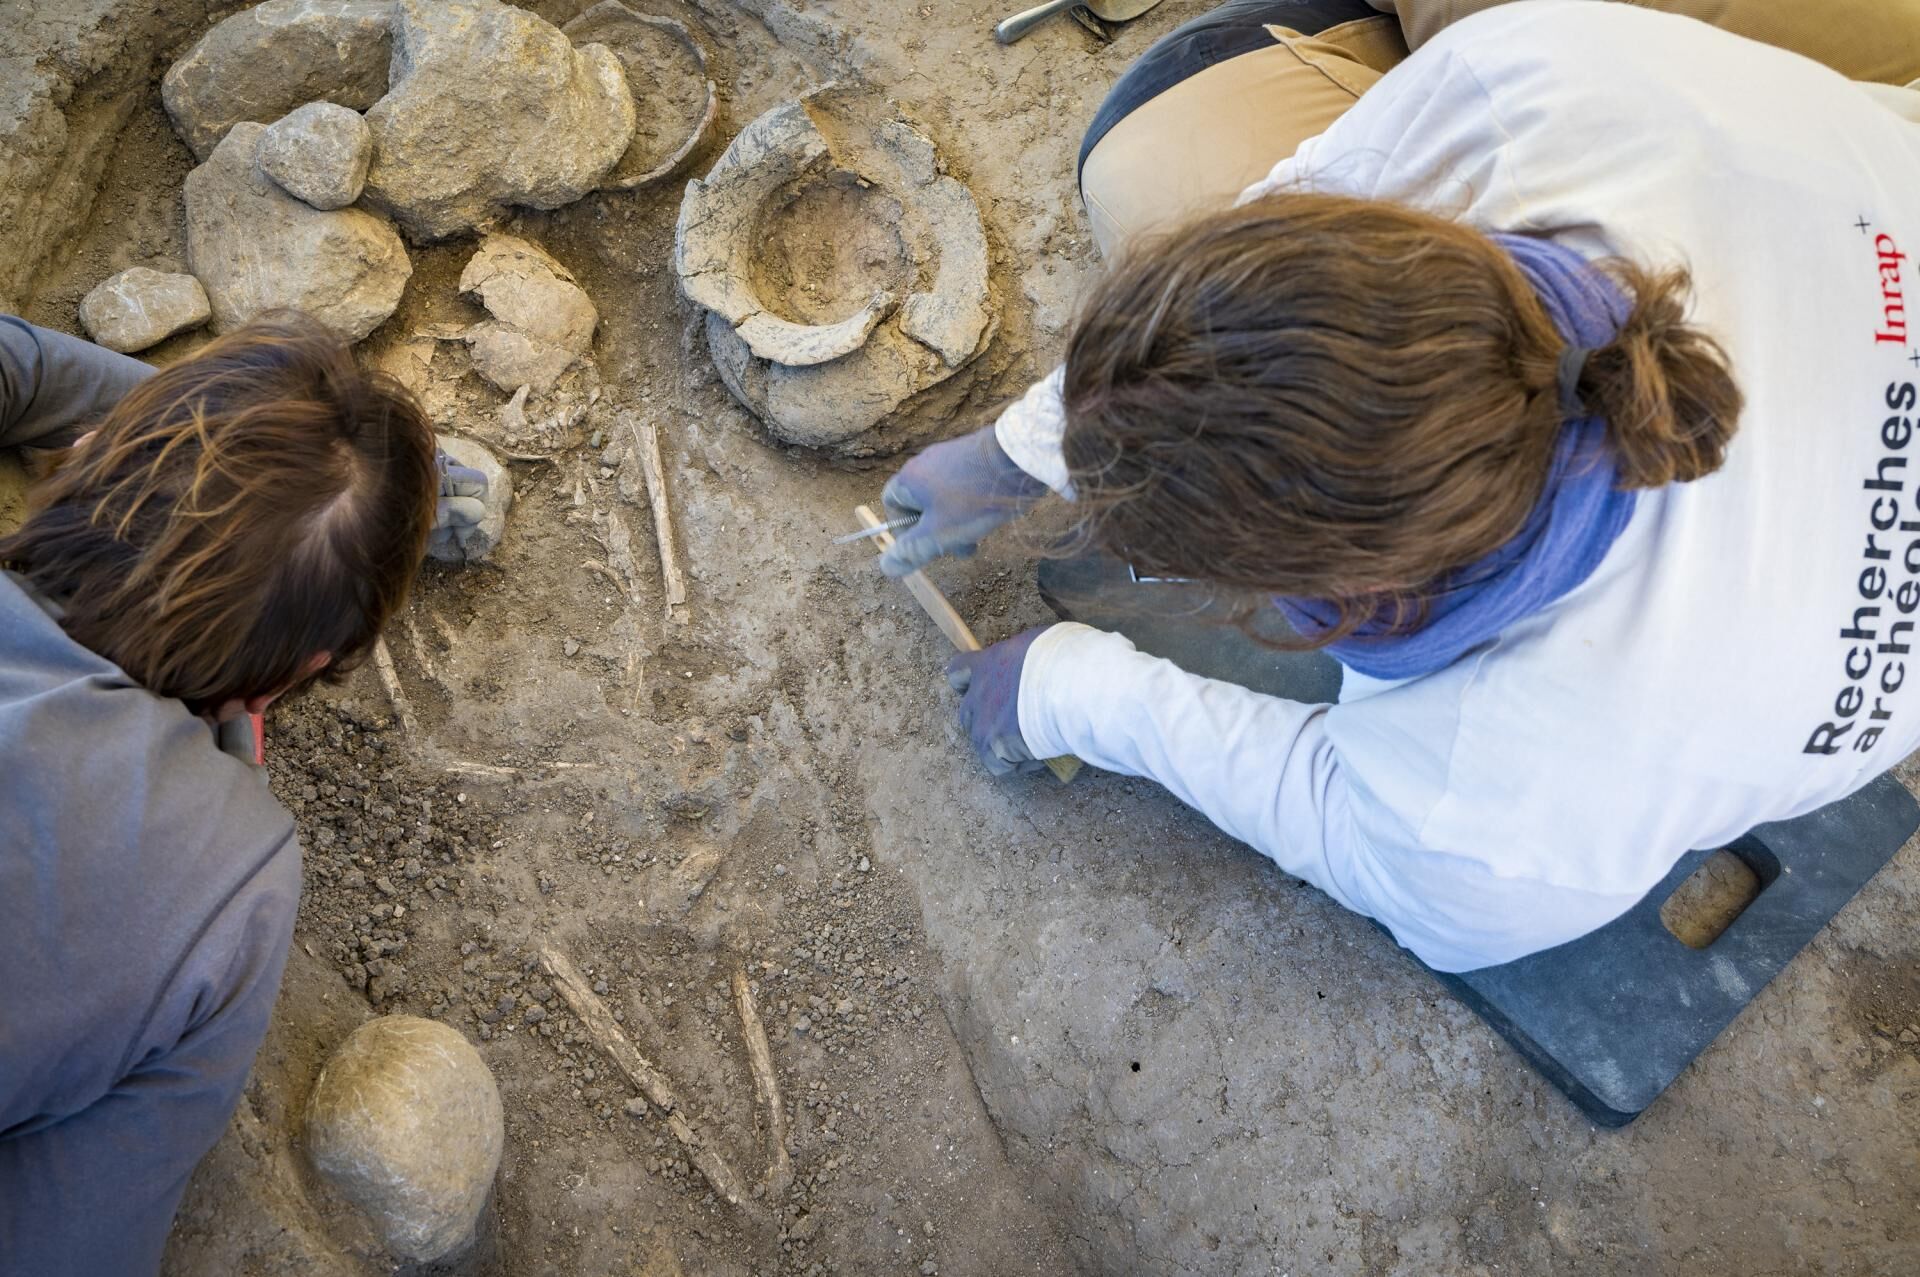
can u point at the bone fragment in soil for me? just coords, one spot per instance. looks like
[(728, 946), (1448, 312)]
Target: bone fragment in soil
[(652, 1082), (647, 443), (766, 1084), (390, 679)]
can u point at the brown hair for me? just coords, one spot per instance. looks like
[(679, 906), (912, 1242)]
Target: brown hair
[(235, 514), (1346, 399)]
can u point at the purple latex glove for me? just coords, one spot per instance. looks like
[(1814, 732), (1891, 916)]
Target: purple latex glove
[(989, 685), (961, 489), (461, 505)]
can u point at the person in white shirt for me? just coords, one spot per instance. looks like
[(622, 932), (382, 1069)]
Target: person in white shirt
[(1564, 388)]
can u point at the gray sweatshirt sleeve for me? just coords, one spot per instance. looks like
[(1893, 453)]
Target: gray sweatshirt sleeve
[(53, 387)]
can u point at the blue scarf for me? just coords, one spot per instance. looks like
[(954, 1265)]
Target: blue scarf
[(1579, 515)]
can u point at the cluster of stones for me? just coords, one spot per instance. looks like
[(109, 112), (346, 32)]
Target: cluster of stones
[(328, 129)]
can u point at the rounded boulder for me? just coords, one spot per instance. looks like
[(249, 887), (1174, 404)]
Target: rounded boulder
[(405, 1122), (318, 154)]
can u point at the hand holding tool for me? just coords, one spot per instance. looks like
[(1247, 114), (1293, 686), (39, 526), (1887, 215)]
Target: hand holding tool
[(936, 606), (961, 490), (989, 685)]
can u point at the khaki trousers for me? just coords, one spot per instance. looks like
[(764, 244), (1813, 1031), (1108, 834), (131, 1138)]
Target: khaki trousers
[(1196, 146)]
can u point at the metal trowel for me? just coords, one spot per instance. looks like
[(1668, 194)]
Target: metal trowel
[(1106, 10)]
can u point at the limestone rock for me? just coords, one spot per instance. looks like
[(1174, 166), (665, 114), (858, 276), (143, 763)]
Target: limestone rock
[(257, 248), (491, 107), (674, 100), (542, 321), (477, 542), (318, 153), (139, 308), (263, 62), (405, 1121)]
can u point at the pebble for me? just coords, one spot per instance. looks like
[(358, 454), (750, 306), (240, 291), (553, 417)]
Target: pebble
[(635, 1107), (535, 1014), (570, 647), (865, 864), (803, 1024)]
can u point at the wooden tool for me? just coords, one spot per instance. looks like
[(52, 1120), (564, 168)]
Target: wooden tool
[(936, 606)]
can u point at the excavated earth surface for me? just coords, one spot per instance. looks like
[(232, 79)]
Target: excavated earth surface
[(1020, 1027)]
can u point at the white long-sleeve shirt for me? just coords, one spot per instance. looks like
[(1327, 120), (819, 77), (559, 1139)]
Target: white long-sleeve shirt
[(1741, 654)]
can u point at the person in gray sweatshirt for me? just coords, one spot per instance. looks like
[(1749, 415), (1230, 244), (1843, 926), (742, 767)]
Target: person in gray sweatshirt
[(227, 530)]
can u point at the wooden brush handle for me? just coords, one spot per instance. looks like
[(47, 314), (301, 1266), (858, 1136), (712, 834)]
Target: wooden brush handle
[(935, 604)]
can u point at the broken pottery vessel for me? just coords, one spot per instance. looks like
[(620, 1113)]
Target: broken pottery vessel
[(542, 320), (844, 273), (674, 100)]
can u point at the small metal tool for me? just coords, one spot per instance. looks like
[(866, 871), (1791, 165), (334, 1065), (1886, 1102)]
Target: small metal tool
[(1133, 574), (891, 525), (1106, 10)]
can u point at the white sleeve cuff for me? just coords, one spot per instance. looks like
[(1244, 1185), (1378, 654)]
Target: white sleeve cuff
[(1041, 673), (1030, 429)]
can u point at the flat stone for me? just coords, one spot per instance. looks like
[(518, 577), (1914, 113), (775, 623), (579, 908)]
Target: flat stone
[(138, 308), (490, 108), (542, 320), (256, 248), (406, 1123), (263, 62), (318, 154), (674, 100)]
